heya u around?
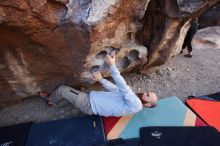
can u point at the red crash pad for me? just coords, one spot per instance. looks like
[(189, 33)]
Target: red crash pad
[(209, 111)]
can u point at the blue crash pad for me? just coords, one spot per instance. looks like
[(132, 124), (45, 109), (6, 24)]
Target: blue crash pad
[(79, 131)]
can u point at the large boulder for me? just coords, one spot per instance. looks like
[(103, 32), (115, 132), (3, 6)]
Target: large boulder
[(45, 43), (207, 38)]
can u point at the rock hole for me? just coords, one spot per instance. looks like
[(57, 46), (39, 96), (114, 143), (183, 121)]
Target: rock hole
[(125, 62), (101, 54), (113, 50), (94, 69), (134, 55), (129, 35)]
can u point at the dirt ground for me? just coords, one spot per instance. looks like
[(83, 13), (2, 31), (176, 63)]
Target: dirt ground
[(181, 77)]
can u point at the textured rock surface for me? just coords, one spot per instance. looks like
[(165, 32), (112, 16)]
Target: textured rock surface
[(39, 47), (114, 25), (45, 43)]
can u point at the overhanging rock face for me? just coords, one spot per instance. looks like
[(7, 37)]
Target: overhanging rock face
[(112, 26), (45, 43)]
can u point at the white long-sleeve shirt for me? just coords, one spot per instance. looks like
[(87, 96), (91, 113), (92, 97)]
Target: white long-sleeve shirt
[(120, 100)]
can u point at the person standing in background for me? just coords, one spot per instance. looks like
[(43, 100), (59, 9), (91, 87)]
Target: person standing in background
[(189, 36)]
